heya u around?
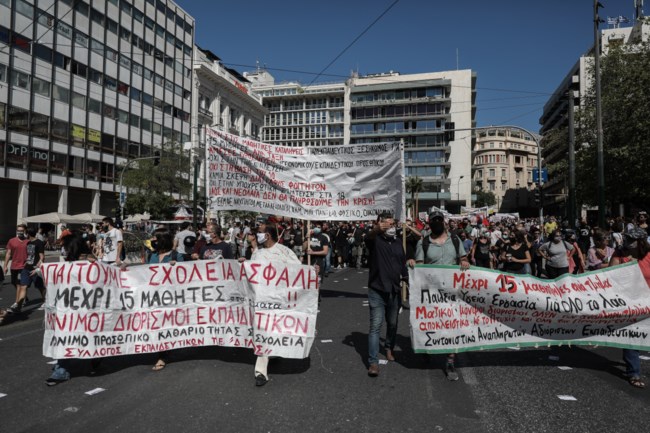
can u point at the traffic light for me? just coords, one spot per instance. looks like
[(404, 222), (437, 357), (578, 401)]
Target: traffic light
[(156, 160), (539, 197)]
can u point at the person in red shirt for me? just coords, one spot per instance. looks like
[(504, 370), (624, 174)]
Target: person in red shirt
[(16, 254), (635, 247)]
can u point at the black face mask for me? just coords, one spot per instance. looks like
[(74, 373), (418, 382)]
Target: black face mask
[(105, 228), (437, 227), (154, 245)]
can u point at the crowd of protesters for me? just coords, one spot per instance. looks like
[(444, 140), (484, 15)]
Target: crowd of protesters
[(386, 246)]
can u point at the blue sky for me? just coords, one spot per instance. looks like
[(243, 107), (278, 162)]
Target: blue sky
[(520, 49)]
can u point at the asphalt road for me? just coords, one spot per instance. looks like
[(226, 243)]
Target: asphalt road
[(212, 389)]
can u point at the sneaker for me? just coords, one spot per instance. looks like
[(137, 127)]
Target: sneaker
[(14, 309), (260, 380), (450, 371)]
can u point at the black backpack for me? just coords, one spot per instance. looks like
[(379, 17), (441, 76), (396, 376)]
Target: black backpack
[(454, 239), (189, 242)]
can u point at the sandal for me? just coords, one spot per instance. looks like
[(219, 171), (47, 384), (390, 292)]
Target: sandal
[(159, 365), (636, 382)]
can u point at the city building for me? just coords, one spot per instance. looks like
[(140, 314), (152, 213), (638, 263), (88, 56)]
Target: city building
[(504, 159), (300, 115), (85, 86), (223, 100), (555, 116), (423, 110)]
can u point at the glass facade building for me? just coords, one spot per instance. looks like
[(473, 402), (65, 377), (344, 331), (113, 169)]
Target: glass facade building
[(86, 85)]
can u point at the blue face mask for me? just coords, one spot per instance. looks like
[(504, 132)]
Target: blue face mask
[(316, 230)]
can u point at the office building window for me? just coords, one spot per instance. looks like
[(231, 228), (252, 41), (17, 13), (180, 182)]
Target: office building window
[(61, 93), (94, 106), (41, 87), (19, 79), (78, 100), (60, 130), (3, 73), (18, 119), (42, 52), (40, 124), (25, 8)]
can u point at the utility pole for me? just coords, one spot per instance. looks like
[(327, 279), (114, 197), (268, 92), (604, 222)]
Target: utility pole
[(572, 164), (599, 119)]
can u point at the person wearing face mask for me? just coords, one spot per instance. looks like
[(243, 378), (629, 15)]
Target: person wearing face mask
[(17, 255), (635, 247), (556, 252), (216, 248), (442, 248), (112, 242), (317, 247), (387, 269), (273, 252)]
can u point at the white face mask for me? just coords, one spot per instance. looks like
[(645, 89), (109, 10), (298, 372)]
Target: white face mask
[(391, 232), (261, 238)]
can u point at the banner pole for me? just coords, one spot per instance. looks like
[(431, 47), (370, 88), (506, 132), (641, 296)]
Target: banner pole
[(308, 230), (404, 288)]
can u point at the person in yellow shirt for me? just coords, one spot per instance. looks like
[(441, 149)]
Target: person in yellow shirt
[(550, 226)]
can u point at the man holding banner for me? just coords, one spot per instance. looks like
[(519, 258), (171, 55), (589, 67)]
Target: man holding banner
[(387, 264), (271, 250)]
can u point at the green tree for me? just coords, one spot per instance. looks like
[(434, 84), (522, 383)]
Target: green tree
[(152, 186), (625, 101), (413, 186), (485, 198)]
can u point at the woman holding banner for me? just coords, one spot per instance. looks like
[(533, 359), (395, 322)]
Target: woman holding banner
[(163, 253), (635, 247)]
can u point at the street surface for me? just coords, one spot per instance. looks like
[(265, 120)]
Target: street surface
[(212, 389)]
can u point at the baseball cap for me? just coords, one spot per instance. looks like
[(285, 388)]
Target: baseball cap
[(436, 214)]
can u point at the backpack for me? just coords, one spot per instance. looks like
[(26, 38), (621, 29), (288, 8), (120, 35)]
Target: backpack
[(189, 242), (454, 239)]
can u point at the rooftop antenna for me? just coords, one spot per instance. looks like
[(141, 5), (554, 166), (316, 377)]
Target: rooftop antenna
[(457, 59)]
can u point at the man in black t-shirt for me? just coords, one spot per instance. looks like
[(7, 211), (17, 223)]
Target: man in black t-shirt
[(342, 245), (35, 257), (216, 248)]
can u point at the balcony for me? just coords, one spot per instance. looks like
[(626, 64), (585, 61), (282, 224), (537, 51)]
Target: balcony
[(205, 112)]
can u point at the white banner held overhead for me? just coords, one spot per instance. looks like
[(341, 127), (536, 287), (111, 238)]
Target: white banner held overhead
[(343, 182), (455, 311), (95, 310)]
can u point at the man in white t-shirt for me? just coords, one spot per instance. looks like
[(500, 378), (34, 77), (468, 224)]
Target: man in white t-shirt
[(112, 242), (181, 241), (267, 236)]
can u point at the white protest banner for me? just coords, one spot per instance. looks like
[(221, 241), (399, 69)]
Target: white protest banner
[(455, 311), (339, 182), (94, 310)]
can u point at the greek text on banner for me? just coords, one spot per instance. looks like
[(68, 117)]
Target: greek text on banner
[(339, 182), (95, 310), (455, 311)]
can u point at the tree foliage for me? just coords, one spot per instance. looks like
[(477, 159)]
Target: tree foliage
[(625, 101), (485, 198), (152, 187)]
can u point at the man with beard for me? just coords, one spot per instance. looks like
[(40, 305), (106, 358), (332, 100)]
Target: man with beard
[(442, 248), (387, 263)]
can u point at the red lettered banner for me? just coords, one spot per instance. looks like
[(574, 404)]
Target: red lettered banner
[(338, 182), (455, 311), (94, 310)]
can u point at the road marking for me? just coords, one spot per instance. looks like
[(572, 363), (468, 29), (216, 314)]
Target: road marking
[(564, 367), (2, 395), (52, 362), (513, 348), (383, 361), (345, 279), (326, 341), (567, 397), (553, 358), (645, 358), (71, 409), (94, 391), (336, 281), (23, 334)]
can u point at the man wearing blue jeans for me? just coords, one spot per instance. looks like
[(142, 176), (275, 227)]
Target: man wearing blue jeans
[(387, 263)]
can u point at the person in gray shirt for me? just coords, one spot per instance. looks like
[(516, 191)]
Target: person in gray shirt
[(555, 252)]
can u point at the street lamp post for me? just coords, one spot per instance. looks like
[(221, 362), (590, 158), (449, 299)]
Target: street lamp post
[(599, 120), (458, 188)]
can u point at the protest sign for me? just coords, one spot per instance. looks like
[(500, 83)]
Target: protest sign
[(94, 310), (341, 182), (455, 311)]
